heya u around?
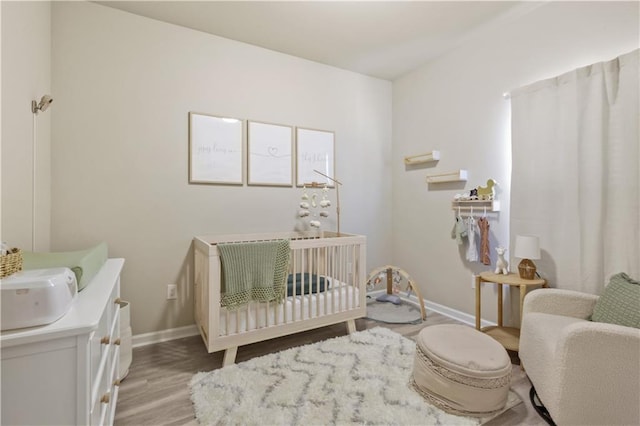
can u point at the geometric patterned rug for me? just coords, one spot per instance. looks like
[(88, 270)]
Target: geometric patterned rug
[(361, 378)]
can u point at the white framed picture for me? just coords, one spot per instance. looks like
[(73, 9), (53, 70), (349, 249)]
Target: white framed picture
[(270, 158), (215, 149), (314, 151)]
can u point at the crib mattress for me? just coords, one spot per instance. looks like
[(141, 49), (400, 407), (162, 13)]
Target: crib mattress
[(338, 297)]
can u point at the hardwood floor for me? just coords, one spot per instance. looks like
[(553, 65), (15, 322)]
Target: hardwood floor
[(156, 390)]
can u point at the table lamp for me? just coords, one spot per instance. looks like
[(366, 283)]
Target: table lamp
[(527, 248)]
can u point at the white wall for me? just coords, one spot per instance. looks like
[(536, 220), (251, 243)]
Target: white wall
[(124, 86), (26, 75), (455, 104)]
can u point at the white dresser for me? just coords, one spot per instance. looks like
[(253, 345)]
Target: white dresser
[(66, 373)]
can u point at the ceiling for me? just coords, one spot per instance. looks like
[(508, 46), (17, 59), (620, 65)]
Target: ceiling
[(384, 39)]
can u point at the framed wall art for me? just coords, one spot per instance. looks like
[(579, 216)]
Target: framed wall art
[(215, 149), (270, 159), (314, 151)]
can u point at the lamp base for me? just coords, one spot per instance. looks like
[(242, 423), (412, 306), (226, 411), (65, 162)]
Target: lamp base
[(527, 269)]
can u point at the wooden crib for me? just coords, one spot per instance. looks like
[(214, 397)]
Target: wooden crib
[(338, 261)]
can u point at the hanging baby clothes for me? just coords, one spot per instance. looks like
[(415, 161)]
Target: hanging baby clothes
[(485, 254), (472, 250), (459, 230)]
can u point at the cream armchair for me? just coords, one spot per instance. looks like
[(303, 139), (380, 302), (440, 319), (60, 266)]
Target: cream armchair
[(585, 373)]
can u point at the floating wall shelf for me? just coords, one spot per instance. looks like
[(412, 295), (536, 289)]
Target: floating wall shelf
[(457, 176), (490, 205), (422, 158)]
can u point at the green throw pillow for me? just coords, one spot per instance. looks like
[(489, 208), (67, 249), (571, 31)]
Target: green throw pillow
[(619, 303)]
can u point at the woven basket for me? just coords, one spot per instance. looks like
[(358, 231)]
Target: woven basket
[(11, 263)]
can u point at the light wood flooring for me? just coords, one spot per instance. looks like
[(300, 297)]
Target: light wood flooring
[(156, 390)]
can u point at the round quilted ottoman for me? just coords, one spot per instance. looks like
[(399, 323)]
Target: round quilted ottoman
[(461, 370)]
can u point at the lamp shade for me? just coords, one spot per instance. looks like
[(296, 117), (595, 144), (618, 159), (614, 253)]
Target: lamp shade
[(527, 247)]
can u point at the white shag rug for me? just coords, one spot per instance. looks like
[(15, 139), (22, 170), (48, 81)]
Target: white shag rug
[(362, 378)]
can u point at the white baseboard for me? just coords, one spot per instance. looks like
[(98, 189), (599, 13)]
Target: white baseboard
[(164, 335), (455, 314), (192, 330)]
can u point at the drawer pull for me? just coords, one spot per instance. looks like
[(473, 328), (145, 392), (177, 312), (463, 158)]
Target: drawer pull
[(105, 340), (105, 398), (120, 302), (116, 342)]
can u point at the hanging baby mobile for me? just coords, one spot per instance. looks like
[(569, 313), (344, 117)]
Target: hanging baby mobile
[(312, 207)]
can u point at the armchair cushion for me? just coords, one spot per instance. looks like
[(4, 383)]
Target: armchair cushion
[(619, 302)]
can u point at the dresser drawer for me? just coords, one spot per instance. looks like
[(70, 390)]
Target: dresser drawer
[(103, 409), (103, 343), (99, 342), (114, 382)]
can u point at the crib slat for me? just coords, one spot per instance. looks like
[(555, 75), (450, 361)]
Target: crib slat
[(339, 277), (294, 263), (334, 255), (308, 292), (317, 273), (326, 280), (256, 314), (297, 304), (353, 275)]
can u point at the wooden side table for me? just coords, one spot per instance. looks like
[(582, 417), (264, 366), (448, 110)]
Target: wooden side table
[(509, 337)]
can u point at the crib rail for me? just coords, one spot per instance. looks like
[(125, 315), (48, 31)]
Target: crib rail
[(337, 263)]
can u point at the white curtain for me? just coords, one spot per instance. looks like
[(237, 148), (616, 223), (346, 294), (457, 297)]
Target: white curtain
[(575, 173)]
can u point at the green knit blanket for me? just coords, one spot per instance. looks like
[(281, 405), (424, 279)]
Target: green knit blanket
[(255, 271)]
